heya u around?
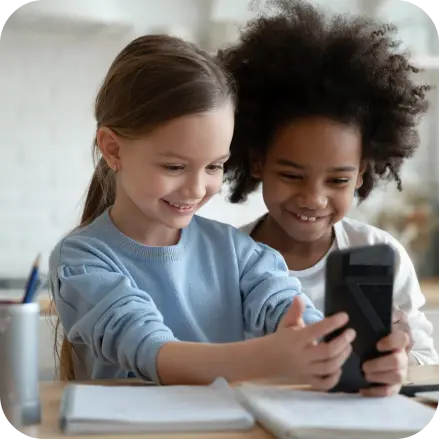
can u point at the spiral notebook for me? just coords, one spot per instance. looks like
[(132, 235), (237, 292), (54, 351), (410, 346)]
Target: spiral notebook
[(93, 409), (313, 415)]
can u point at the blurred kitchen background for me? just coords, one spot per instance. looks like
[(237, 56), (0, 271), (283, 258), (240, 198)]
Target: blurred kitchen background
[(53, 57)]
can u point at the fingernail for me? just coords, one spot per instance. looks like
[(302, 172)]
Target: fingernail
[(350, 334), (343, 318)]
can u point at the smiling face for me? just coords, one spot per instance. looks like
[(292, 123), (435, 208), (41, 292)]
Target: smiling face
[(309, 176), (178, 168), (165, 177)]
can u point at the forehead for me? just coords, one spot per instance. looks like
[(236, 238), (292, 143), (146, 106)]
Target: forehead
[(197, 136), (317, 142)]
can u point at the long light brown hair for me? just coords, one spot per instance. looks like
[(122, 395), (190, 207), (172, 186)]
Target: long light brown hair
[(154, 79)]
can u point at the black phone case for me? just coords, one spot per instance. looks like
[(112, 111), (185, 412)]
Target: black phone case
[(359, 281), (411, 390)]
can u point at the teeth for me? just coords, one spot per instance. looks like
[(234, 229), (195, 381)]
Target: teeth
[(307, 218), (181, 206)]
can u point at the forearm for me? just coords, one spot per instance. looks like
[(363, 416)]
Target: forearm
[(201, 363)]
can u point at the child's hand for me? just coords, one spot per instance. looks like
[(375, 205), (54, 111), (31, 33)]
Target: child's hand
[(293, 317), (297, 354), (400, 323), (391, 369)]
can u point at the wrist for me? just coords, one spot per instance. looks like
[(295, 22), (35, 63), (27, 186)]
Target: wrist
[(201, 363), (252, 359)]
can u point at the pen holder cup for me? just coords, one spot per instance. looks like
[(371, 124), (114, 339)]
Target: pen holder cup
[(19, 345)]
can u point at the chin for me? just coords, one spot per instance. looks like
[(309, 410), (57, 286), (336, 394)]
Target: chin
[(178, 223), (306, 237)]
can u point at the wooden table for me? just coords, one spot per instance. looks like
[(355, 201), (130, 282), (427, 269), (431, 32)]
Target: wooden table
[(51, 395), (423, 374)]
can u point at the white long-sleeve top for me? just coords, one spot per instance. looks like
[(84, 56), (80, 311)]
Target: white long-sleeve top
[(407, 294)]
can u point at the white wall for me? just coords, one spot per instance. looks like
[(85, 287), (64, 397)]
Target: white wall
[(48, 79), (48, 82)]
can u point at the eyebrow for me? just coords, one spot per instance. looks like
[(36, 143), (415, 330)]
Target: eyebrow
[(183, 158), (284, 162)]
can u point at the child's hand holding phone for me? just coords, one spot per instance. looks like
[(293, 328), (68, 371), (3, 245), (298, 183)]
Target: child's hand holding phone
[(298, 354), (389, 370)]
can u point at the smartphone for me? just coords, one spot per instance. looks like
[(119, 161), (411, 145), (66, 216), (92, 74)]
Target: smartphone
[(412, 390), (359, 282)]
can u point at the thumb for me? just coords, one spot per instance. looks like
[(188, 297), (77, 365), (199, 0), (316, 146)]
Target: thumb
[(293, 316)]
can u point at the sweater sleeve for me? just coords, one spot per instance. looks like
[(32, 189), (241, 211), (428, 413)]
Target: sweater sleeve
[(102, 308), (408, 296), (268, 291)]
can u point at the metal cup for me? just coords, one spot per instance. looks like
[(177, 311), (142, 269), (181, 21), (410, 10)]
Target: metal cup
[(19, 343)]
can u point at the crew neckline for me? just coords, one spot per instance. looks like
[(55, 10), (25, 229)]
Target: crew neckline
[(138, 250)]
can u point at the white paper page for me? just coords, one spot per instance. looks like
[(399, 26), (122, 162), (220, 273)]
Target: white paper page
[(316, 410), (149, 404)]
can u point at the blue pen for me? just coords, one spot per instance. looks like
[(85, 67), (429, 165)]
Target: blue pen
[(32, 282)]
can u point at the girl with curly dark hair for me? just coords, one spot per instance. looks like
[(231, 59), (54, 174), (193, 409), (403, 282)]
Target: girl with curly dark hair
[(327, 107)]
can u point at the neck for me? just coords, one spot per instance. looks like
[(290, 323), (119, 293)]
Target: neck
[(132, 222), (299, 255)]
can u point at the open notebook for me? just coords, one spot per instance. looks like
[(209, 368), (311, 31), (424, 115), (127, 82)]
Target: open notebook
[(305, 414), (88, 409)]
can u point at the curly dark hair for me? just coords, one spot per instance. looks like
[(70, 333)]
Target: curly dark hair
[(293, 61)]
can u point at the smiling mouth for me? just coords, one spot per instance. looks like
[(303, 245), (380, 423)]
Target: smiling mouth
[(305, 218), (181, 206)]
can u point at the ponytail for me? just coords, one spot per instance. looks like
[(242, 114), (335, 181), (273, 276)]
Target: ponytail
[(101, 192), (100, 195)]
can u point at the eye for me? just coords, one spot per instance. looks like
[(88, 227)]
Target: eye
[(339, 181), (173, 168), (290, 176), (215, 168)]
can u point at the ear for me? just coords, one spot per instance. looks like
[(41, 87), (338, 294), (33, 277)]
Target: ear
[(363, 167), (256, 168), (109, 146)]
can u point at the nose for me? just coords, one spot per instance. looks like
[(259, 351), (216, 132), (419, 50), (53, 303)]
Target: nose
[(194, 188), (311, 198)]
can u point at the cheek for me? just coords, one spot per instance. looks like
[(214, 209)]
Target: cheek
[(214, 184), (276, 191), (142, 182), (343, 200)]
